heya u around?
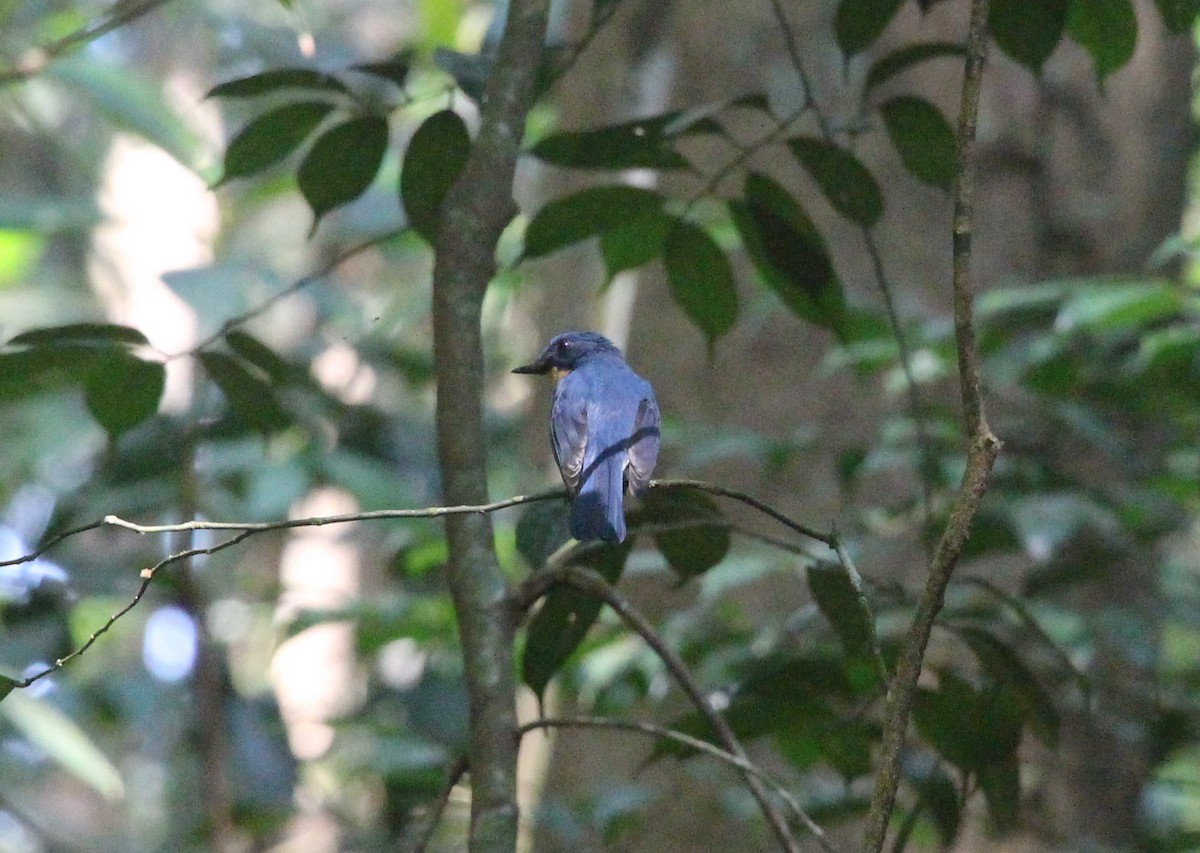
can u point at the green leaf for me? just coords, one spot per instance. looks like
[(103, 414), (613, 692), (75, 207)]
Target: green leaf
[(102, 334), (271, 137), (1107, 29), (56, 734), (844, 181), (1179, 16), (342, 163), (1110, 305), (587, 213), (840, 596), (923, 138), (971, 727), (254, 351), (436, 154), (7, 685), (393, 70), (636, 242), (565, 616), (938, 794), (1028, 30), (898, 61), (696, 547), (122, 391), (701, 279), (1000, 782), (640, 143), (1002, 664), (542, 530), (250, 399), (858, 23), (789, 253), (276, 79)]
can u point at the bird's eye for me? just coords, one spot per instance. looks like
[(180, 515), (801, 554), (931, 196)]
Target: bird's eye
[(563, 346)]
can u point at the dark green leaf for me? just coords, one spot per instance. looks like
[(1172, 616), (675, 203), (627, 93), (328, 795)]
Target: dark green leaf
[(904, 58), (279, 78), (393, 70), (1000, 782), (250, 399), (844, 181), (565, 616), (123, 390), (102, 334), (1003, 665), (923, 138), (971, 727), (640, 143), (858, 23), (342, 163), (696, 547), (542, 530), (7, 685), (1107, 29), (435, 155), (271, 137), (789, 253), (635, 242), (938, 794), (587, 213), (1028, 30), (1179, 16), (840, 596), (701, 279), (260, 355)]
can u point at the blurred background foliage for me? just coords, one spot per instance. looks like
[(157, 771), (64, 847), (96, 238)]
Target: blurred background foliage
[(214, 308)]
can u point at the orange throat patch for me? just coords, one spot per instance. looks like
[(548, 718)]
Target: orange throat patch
[(558, 373)]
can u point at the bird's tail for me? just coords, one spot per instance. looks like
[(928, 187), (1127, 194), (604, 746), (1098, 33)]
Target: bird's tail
[(598, 511)]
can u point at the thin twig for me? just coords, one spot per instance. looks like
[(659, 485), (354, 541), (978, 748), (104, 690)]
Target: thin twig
[(299, 284), (664, 733), (37, 59), (749, 500), (589, 583), (924, 442), (981, 454), (454, 775)]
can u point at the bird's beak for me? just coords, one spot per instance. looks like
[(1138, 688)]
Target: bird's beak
[(540, 366)]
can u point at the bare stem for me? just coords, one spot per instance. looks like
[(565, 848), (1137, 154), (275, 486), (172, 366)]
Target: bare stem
[(593, 585), (981, 454)]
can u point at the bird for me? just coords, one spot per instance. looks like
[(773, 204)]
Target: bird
[(604, 430)]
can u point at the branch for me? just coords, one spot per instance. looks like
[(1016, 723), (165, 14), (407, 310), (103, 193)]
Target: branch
[(475, 211), (591, 584), (749, 500), (924, 442), (35, 60), (981, 454), (664, 733)]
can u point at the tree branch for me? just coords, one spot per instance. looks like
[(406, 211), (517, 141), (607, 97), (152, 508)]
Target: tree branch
[(664, 733), (475, 211), (981, 454), (591, 584)]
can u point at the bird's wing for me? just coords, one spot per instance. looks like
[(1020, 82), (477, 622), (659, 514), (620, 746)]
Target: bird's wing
[(568, 435), (643, 450)]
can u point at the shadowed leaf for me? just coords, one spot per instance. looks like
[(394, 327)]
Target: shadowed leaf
[(1179, 16), (393, 70), (565, 616), (542, 530), (276, 79), (640, 143), (434, 157), (342, 163), (842, 601), (904, 58), (80, 333), (587, 213), (250, 399), (635, 242), (1002, 664), (701, 279), (123, 390), (844, 181), (923, 138), (696, 547), (858, 23), (1028, 30), (1107, 30), (7, 685), (271, 137)]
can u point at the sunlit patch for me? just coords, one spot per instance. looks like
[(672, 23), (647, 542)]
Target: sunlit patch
[(169, 644)]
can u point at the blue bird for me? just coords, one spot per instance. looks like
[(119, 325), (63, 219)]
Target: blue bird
[(604, 428)]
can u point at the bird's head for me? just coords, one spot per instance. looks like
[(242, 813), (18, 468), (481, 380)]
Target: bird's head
[(567, 351)]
